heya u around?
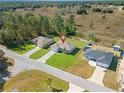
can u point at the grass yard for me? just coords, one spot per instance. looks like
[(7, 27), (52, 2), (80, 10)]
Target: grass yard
[(73, 64), (77, 43), (35, 81), (40, 53), (23, 48), (110, 80)]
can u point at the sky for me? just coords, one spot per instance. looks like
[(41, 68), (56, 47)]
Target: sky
[(59, 0), (55, 0)]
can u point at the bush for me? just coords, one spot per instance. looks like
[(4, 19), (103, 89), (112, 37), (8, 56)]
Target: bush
[(123, 8), (97, 9), (107, 11), (81, 11)]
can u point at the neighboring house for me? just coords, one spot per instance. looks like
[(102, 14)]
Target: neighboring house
[(101, 58), (122, 53), (116, 48), (62, 47), (42, 41)]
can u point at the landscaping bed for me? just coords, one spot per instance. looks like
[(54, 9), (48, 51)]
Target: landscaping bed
[(35, 81), (22, 49)]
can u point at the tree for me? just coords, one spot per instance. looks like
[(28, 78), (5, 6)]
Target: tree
[(81, 11), (45, 25), (70, 26), (57, 24), (91, 36), (3, 68)]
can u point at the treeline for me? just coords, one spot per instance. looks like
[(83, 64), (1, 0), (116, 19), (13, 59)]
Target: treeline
[(4, 64), (108, 10), (16, 29)]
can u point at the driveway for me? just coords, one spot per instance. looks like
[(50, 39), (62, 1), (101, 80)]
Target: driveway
[(98, 75), (31, 52), (79, 81), (46, 56), (75, 88)]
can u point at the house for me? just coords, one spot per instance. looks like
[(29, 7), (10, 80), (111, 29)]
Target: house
[(42, 41), (62, 47), (116, 48), (101, 58)]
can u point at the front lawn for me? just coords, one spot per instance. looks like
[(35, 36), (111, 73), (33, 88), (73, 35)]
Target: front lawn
[(72, 63), (35, 81), (40, 53), (110, 80), (22, 49)]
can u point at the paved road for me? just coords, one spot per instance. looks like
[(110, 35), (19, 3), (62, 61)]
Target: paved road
[(59, 73), (31, 52), (46, 56)]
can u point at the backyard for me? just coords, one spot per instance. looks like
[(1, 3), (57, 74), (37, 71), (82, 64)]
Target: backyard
[(35, 81)]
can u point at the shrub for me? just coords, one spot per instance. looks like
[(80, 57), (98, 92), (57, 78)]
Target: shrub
[(123, 8), (107, 11), (97, 9), (81, 11)]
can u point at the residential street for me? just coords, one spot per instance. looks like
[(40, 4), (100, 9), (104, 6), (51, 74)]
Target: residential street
[(88, 85)]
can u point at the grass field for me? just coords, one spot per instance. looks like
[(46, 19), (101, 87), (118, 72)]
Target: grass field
[(40, 53), (35, 81), (74, 62), (110, 80), (26, 48)]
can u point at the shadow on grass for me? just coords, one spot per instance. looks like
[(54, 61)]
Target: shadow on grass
[(114, 64), (75, 51), (46, 47)]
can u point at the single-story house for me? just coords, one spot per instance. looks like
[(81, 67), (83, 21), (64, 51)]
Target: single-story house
[(101, 58), (42, 41), (116, 48), (63, 47)]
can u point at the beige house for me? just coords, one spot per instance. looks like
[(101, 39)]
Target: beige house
[(63, 47), (42, 41)]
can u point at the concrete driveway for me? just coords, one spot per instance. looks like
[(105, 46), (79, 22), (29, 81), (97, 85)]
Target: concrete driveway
[(75, 88), (98, 75), (46, 56), (31, 52)]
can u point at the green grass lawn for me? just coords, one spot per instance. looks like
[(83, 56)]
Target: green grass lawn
[(72, 63), (77, 43), (26, 48), (40, 53), (35, 81)]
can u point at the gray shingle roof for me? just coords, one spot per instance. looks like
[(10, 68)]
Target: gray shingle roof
[(99, 56), (66, 45), (42, 40)]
